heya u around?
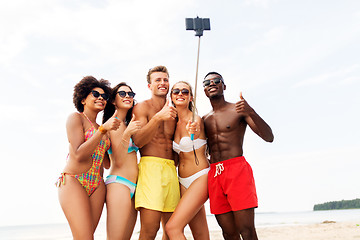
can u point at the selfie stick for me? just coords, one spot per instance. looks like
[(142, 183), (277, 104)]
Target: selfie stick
[(199, 25)]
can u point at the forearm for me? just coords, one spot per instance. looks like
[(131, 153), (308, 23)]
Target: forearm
[(87, 148), (147, 132), (260, 127)]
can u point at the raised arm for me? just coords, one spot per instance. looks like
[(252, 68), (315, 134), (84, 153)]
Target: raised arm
[(80, 150), (255, 122), (150, 127)]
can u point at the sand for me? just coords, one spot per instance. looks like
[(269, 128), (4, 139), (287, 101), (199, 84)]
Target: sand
[(321, 231)]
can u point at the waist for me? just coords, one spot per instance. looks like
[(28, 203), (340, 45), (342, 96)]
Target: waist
[(157, 159), (228, 162)]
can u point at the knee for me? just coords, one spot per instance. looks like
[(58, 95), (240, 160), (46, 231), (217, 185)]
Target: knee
[(172, 229), (149, 232), (231, 235), (248, 233)]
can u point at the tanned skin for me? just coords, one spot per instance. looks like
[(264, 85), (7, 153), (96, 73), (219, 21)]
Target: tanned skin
[(225, 128), (157, 119)]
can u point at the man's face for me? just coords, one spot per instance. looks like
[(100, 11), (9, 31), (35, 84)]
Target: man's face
[(159, 85), (213, 86)]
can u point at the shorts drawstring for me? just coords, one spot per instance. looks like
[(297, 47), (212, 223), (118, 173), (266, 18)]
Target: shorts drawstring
[(219, 169)]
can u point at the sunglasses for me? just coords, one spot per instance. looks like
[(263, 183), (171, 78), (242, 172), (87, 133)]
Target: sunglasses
[(214, 80), (184, 91), (123, 94), (96, 94)]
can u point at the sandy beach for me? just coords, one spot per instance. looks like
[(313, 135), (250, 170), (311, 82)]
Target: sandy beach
[(321, 231)]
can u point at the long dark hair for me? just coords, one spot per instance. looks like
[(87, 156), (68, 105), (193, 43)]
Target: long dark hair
[(110, 108)]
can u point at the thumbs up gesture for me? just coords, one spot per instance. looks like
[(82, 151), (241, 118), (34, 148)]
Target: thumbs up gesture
[(112, 123), (242, 107), (133, 126), (167, 112)]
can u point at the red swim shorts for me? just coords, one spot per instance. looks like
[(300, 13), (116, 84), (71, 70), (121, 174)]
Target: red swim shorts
[(231, 186)]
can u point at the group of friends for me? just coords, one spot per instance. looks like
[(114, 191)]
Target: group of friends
[(185, 159)]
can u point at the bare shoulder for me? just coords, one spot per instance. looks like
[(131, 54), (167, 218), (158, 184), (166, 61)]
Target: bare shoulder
[(141, 108), (74, 118), (206, 116)]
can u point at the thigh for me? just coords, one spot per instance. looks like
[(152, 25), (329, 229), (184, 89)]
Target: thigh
[(97, 200), (119, 210), (244, 219), (75, 203), (191, 201), (150, 221), (227, 223), (199, 226)]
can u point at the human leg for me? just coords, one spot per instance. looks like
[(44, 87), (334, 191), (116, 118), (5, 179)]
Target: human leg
[(150, 223), (227, 223), (244, 220), (120, 212), (76, 206), (165, 216), (190, 211)]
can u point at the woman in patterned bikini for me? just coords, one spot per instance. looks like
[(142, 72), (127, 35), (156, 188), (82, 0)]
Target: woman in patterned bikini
[(81, 186), (121, 181), (192, 170)]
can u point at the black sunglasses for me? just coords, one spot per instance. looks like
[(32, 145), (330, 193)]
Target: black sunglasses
[(214, 80), (184, 91), (96, 94), (123, 94)]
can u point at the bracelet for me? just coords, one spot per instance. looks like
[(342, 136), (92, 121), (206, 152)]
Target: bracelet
[(102, 129)]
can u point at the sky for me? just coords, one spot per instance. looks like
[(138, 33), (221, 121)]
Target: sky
[(296, 62)]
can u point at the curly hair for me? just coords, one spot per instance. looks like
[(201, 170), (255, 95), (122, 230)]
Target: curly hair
[(110, 108), (191, 104), (156, 69), (83, 88)]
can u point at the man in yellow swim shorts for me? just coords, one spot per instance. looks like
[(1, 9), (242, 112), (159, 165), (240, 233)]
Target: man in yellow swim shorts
[(157, 193)]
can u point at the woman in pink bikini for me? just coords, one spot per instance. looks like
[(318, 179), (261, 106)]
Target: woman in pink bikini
[(192, 169), (81, 186)]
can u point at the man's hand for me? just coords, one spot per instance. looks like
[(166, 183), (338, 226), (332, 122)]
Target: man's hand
[(242, 107), (167, 112)]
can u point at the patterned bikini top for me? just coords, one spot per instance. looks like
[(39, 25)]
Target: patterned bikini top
[(187, 145), (100, 150)]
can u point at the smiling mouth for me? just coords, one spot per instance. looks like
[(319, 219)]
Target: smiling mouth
[(212, 89)]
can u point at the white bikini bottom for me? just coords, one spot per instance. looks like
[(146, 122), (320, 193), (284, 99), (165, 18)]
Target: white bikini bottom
[(186, 182)]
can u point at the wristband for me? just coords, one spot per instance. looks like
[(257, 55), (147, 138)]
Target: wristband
[(102, 129)]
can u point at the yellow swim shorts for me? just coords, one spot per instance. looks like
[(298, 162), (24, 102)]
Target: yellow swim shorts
[(158, 185)]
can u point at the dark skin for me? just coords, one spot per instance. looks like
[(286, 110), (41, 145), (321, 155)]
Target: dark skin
[(225, 128)]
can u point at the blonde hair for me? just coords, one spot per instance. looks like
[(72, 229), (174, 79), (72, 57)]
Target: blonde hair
[(156, 69)]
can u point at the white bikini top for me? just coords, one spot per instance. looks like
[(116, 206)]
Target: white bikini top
[(187, 145)]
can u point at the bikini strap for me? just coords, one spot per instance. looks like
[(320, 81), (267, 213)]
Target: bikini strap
[(88, 119)]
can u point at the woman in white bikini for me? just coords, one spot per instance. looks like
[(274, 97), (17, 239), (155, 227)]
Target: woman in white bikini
[(121, 181), (192, 169)]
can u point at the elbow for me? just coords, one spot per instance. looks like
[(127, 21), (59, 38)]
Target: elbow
[(270, 139)]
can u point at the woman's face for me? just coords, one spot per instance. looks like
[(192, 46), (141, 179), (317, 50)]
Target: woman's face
[(123, 99), (96, 99), (180, 95)]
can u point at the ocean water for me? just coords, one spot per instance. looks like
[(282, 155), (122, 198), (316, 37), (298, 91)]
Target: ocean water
[(62, 231)]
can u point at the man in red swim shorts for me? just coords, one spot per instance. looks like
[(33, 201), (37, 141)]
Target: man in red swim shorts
[(232, 191)]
